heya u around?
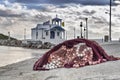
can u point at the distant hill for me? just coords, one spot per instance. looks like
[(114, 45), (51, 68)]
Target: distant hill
[(4, 37)]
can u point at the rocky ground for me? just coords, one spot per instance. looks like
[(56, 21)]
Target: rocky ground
[(30, 44), (104, 71)]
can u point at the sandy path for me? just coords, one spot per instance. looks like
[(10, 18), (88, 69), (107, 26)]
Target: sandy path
[(105, 71)]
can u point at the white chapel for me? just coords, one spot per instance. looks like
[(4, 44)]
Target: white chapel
[(50, 31)]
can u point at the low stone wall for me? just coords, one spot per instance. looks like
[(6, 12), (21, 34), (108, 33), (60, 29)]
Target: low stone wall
[(33, 45), (10, 43)]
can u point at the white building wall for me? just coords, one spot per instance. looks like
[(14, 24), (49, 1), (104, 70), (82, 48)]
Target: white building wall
[(56, 36), (40, 35), (35, 37), (48, 36), (56, 40)]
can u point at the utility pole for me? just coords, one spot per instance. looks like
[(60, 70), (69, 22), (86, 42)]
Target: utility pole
[(110, 20), (81, 29), (86, 28), (84, 32)]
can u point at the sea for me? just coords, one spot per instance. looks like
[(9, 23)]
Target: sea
[(10, 55)]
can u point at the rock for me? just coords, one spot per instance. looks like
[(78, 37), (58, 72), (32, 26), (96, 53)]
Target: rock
[(39, 46), (28, 44), (46, 45)]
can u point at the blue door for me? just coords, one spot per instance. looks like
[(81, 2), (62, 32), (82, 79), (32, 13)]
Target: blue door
[(52, 34)]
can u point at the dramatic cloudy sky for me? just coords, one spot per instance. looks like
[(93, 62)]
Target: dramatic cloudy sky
[(16, 15)]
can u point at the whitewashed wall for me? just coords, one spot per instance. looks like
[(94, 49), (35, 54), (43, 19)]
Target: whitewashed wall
[(57, 40)]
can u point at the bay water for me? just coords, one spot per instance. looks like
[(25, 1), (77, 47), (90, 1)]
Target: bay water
[(9, 55)]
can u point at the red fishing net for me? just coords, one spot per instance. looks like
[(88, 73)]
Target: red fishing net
[(73, 53)]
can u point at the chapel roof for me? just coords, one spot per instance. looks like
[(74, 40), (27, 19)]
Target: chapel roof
[(58, 28)]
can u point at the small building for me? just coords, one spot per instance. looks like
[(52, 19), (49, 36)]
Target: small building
[(50, 31)]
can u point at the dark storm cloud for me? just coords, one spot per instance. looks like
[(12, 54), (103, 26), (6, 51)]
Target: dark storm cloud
[(84, 2), (8, 13), (33, 6)]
